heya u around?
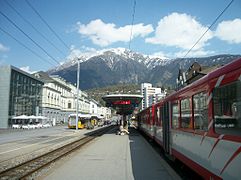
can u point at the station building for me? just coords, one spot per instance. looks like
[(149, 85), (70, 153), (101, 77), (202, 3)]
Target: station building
[(39, 94), (59, 98), (54, 98), (20, 93)]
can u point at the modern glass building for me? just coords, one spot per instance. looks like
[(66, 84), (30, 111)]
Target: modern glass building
[(20, 94)]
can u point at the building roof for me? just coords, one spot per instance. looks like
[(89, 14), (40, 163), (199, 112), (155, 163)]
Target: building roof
[(206, 69), (25, 73), (123, 103), (43, 76), (47, 79)]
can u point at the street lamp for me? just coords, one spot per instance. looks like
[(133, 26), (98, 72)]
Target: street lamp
[(77, 94)]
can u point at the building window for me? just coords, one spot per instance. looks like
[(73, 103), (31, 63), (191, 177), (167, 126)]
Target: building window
[(227, 109), (69, 105), (186, 113), (200, 111), (175, 115)]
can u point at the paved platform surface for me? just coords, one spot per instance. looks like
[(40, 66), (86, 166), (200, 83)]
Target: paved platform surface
[(113, 157), (14, 142)]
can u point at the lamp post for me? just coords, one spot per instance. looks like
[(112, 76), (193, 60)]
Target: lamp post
[(77, 94)]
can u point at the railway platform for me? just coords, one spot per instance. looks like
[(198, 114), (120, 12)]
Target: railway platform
[(113, 157)]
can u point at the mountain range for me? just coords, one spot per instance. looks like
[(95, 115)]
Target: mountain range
[(122, 66)]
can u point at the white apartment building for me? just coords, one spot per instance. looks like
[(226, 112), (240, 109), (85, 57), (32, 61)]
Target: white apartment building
[(99, 111), (83, 100), (84, 103), (145, 92), (150, 94), (93, 107), (106, 112), (54, 98), (59, 99)]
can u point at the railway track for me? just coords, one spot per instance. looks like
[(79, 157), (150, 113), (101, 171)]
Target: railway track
[(26, 169)]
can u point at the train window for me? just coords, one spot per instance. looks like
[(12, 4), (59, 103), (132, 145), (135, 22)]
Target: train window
[(175, 115), (185, 113), (200, 111), (149, 121), (158, 116), (227, 109)]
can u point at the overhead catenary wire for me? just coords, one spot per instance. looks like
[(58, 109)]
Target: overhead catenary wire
[(22, 44), (15, 25), (30, 24), (26, 47), (208, 28), (132, 23), (50, 28), (36, 54), (216, 19), (45, 22)]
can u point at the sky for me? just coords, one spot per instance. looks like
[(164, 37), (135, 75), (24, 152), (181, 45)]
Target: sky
[(39, 35)]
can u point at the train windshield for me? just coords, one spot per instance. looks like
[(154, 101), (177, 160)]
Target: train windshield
[(227, 109)]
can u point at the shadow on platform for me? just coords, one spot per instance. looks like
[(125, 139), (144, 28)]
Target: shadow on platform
[(146, 162)]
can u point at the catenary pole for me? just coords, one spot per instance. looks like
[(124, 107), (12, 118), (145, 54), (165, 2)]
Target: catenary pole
[(77, 94)]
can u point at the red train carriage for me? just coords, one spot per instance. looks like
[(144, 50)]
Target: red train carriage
[(201, 124), (146, 121)]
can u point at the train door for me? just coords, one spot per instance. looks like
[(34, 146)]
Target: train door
[(166, 127)]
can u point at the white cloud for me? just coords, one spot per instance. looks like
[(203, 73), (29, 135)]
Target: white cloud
[(27, 69), (84, 52), (74, 53), (229, 31), (180, 54), (194, 53), (104, 34), (159, 54), (3, 48), (180, 30)]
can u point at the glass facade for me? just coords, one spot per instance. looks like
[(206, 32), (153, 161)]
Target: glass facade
[(25, 95)]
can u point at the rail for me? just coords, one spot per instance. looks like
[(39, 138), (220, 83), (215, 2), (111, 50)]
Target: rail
[(26, 169)]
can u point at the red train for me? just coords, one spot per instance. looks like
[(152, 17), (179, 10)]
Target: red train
[(201, 124)]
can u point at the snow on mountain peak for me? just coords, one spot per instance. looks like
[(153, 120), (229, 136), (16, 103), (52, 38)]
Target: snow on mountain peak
[(118, 51), (109, 56)]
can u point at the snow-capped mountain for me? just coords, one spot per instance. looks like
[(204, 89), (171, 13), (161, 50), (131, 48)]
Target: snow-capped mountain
[(114, 66), (111, 56)]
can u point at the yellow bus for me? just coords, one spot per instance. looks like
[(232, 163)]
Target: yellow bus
[(83, 119)]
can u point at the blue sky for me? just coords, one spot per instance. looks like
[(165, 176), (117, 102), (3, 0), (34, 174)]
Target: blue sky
[(161, 28)]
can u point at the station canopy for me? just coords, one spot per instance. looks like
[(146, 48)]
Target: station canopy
[(124, 104)]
